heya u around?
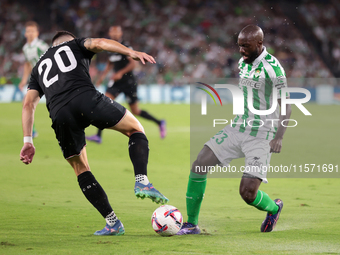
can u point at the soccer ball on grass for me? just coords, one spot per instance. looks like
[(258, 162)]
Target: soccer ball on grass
[(166, 220)]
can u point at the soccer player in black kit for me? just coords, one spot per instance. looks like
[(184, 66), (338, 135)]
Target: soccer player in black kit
[(62, 75), (124, 81)]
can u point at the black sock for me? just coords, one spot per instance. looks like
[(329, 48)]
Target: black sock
[(147, 116), (94, 193), (99, 133), (139, 152)]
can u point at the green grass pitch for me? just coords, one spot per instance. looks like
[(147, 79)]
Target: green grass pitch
[(42, 210)]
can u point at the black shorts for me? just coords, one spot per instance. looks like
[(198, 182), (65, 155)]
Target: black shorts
[(128, 86), (89, 108)]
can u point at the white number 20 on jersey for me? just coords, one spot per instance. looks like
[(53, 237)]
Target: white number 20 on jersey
[(61, 65)]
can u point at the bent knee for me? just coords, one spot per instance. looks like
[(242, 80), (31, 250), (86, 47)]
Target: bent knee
[(130, 133), (247, 194), (135, 112), (129, 125)]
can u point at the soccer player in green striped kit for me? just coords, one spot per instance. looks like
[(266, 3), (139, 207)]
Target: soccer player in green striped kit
[(259, 73), (33, 49)]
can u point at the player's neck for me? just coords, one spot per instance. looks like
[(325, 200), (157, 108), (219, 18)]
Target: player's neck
[(60, 41), (260, 52)]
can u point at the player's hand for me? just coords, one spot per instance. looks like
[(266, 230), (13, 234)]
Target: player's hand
[(117, 76), (27, 153), (142, 57), (275, 145)]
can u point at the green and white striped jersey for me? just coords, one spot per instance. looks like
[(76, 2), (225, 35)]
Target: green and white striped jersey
[(34, 50), (258, 79)]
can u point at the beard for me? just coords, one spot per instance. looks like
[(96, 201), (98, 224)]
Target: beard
[(251, 57)]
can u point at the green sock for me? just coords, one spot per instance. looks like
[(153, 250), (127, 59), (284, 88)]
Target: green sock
[(194, 196), (264, 203)]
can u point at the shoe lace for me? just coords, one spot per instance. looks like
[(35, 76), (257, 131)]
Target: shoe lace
[(272, 218)]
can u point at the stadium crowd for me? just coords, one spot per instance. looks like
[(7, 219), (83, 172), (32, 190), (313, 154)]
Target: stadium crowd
[(191, 40), (323, 17)]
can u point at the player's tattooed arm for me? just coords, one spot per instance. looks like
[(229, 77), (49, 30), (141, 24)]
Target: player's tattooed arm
[(90, 45), (88, 42), (100, 44)]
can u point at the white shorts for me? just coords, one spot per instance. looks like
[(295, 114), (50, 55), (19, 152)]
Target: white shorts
[(229, 144)]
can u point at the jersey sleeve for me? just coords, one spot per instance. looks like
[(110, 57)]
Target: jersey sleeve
[(280, 83), (80, 41), (34, 84), (278, 78)]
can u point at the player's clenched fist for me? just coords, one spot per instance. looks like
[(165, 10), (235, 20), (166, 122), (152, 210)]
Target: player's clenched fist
[(27, 153)]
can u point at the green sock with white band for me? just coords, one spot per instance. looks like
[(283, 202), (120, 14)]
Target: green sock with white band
[(264, 203)]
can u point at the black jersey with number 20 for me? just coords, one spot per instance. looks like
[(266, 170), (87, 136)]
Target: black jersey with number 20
[(62, 73)]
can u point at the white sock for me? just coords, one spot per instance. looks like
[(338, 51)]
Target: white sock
[(111, 219), (142, 178)]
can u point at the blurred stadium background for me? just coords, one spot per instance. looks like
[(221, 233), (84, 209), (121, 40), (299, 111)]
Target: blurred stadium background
[(191, 39)]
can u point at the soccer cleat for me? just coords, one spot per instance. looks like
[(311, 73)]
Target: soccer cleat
[(94, 138), (189, 229), (270, 221), (149, 191), (162, 129), (116, 230)]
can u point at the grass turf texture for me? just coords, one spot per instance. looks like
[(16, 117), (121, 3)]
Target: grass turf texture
[(43, 211)]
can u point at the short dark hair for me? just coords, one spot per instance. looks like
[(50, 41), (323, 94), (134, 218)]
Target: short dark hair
[(60, 34)]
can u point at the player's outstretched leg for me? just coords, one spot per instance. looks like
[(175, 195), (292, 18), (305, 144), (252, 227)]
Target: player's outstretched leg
[(196, 188), (253, 196), (194, 197), (96, 195), (139, 155)]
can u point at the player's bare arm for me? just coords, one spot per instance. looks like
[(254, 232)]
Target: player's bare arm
[(31, 100), (276, 143), (27, 71), (100, 44)]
